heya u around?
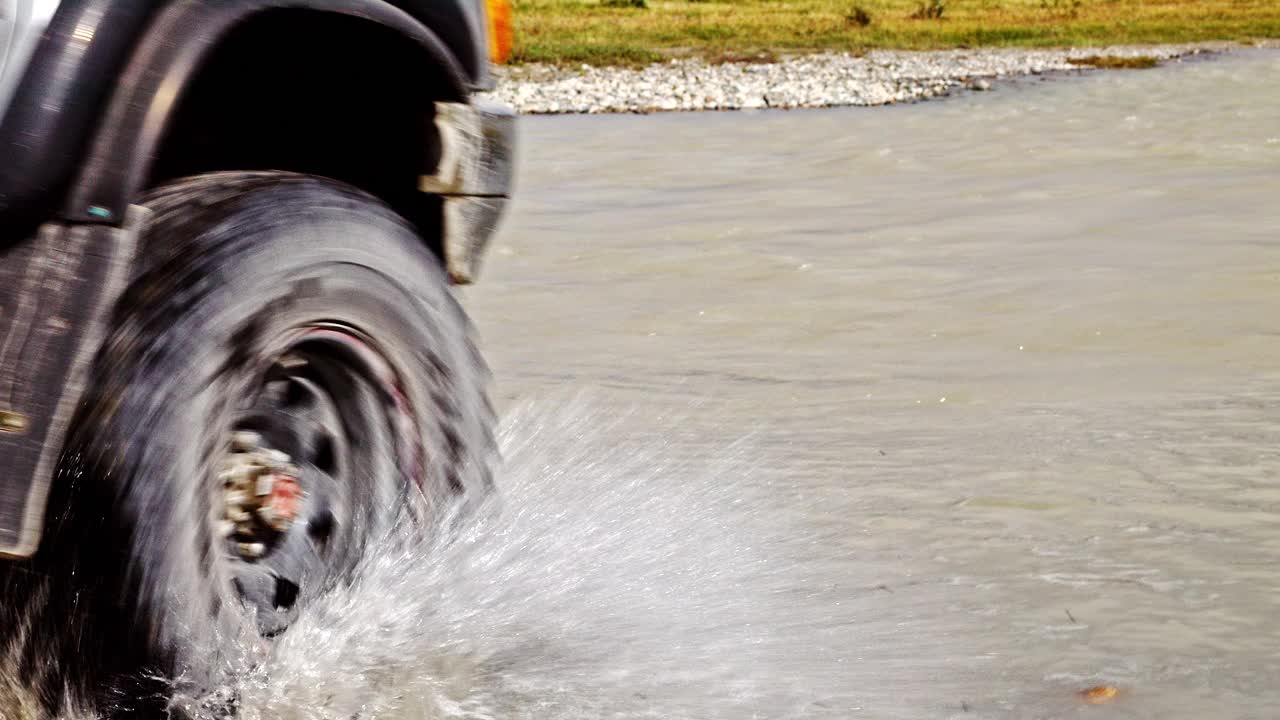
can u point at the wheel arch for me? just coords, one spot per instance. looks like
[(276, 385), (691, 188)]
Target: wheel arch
[(340, 88)]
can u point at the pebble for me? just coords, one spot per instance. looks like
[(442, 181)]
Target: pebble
[(807, 81)]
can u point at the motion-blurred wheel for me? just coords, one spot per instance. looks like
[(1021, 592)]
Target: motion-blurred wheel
[(288, 379)]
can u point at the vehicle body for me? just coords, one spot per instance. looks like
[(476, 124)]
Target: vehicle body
[(109, 108)]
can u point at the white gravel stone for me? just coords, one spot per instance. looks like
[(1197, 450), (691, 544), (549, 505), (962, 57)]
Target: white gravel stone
[(823, 80)]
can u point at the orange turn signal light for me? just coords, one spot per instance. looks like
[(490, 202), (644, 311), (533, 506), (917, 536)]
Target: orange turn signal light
[(501, 32)]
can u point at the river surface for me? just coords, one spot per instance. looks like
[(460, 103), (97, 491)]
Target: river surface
[(997, 380), (948, 410)]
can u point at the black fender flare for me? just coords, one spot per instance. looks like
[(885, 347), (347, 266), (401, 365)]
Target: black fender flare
[(176, 46)]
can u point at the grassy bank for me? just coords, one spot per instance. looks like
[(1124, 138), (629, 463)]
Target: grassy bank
[(641, 31)]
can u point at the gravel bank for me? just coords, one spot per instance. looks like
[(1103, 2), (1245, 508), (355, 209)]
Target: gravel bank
[(823, 80)]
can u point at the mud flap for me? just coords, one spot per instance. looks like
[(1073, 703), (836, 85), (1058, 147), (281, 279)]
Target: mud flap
[(56, 293), (473, 176)]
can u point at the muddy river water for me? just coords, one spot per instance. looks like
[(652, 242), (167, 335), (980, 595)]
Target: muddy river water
[(995, 382), (948, 410)]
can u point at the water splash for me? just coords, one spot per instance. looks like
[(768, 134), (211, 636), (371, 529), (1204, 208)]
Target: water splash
[(607, 578), (625, 569)]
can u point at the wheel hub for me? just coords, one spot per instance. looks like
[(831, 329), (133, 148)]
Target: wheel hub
[(262, 494), (309, 462)]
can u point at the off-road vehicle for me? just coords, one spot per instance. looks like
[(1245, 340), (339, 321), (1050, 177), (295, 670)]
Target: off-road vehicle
[(230, 356)]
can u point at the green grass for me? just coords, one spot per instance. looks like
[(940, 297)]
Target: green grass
[(612, 32)]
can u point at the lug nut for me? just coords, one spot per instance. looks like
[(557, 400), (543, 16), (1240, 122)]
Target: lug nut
[(251, 549), (265, 482), (274, 457), (245, 440)]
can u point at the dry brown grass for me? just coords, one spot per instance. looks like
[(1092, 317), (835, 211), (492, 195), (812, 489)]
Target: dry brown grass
[(1110, 62)]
